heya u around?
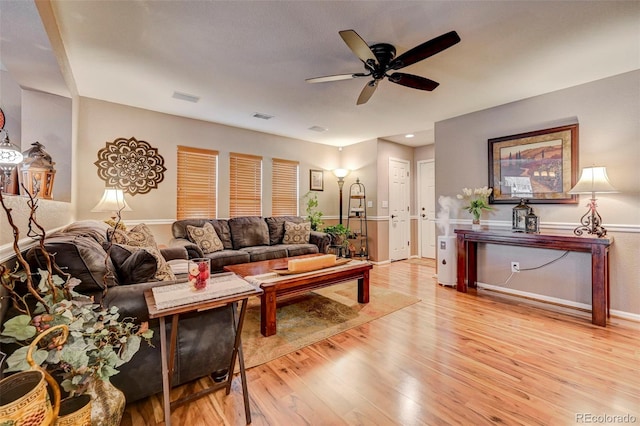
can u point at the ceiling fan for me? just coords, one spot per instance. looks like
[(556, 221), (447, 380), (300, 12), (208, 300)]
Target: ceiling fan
[(379, 59)]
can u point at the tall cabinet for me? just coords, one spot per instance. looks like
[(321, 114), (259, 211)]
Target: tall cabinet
[(357, 220)]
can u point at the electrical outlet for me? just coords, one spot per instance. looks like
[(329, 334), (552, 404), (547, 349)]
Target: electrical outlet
[(515, 266)]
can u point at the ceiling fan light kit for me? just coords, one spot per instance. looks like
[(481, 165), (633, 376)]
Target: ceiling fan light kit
[(380, 58)]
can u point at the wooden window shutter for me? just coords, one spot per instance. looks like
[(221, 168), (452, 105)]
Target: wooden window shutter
[(284, 186), (245, 185), (197, 174)]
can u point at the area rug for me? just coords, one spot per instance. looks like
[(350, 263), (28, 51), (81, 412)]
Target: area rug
[(315, 316)]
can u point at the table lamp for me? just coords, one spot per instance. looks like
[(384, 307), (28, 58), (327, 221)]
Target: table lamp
[(592, 180), (112, 201)]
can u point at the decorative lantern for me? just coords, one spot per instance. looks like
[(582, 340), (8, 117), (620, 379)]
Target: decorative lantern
[(518, 219), (10, 157), (37, 172), (532, 226)]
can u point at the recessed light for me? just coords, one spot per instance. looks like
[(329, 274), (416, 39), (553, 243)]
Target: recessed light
[(318, 129), (185, 97), (409, 135), (262, 116)]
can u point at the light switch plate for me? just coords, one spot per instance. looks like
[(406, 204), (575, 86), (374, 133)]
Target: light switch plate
[(369, 203), (385, 204)]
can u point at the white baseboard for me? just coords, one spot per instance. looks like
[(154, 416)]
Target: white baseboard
[(382, 262), (562, 302)]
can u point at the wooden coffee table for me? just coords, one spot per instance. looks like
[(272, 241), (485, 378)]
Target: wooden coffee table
[(292, 285)]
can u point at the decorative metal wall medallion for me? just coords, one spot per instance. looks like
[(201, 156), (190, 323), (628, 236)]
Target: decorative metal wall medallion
[(131, 165)]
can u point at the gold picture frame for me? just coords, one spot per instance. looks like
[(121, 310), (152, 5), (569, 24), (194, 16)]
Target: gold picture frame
[(539, 166)]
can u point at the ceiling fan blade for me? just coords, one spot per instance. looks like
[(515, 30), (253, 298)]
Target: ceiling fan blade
[(367, 92), (358, 46), (426, 49), (413, 81), (336, 77)]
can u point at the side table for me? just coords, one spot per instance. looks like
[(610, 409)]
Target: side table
[(167, 358)]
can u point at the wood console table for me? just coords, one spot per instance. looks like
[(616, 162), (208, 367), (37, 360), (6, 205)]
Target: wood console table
[(467, 247)]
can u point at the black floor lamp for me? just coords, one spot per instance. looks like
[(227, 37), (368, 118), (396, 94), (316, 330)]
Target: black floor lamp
[(341, 174)]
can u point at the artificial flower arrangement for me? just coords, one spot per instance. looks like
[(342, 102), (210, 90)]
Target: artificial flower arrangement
[(99, 340), (199, 273), (478, 199)]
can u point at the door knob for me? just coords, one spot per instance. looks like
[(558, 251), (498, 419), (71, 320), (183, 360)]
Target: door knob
[(393, 216), (424, 215)]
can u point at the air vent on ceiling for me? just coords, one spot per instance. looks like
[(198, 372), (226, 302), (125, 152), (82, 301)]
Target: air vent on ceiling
[(262, 116), (185, 97), (318, 129)]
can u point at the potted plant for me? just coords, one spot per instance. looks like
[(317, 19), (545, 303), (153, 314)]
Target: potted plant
[(478, 200), (339, 233), (313, 216), (99, 340)]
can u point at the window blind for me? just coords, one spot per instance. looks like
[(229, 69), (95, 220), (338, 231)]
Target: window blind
[(197, 186), (284, 184), (245, 185)]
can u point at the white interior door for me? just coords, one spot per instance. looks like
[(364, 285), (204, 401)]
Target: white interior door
[(399, 225), (427, 208)]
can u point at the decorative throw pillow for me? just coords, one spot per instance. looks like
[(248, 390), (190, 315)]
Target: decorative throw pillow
[(133, 264), (163, 272), (118, 236), (141, 236), (206, 238), (296, 233)]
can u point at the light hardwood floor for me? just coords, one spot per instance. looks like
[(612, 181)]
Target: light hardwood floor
[(468, 359)]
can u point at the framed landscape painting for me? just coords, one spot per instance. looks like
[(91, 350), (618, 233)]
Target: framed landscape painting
[(539, 166)]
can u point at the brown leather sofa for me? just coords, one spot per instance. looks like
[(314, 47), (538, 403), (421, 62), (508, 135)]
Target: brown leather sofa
[(205, 339), (247, 239)]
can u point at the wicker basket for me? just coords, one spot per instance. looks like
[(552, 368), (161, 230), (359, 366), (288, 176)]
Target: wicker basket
[(75, 411), (24, 400)]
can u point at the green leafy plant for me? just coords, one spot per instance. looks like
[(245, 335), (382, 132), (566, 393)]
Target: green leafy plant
[(478, 199), (340, 234), (99, 340), (314, 216)]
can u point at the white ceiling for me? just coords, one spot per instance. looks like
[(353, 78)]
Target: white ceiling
[(243, 57)]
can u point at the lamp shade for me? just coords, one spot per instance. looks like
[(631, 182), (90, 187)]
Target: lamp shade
[(341, 173), (592, 180), (112, 201)]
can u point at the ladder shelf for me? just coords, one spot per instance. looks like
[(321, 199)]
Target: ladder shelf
[(357, 221)]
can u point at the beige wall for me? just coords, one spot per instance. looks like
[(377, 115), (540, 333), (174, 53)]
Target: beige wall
[(46, 119), (607, 112), (35, 116), (361, 159), (100, 122), (426, 152)]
